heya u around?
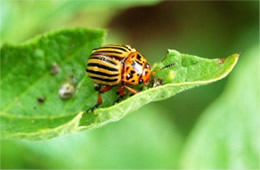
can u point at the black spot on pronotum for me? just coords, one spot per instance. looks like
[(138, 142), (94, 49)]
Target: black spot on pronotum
[(133, 81), (41, 100), (132, 72), (147, 65), (138, 57), (129, 76)]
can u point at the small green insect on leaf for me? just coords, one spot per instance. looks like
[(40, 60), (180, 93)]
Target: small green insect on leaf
[(45, 91)]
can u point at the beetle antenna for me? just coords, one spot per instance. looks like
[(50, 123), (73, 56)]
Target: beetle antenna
[(165, 67), (168, 66)]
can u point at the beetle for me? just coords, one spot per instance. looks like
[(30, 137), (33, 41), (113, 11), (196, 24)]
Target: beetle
[(113, 65)]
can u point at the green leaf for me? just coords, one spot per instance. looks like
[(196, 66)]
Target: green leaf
[(227, 135), (31, 107), (79, 150)]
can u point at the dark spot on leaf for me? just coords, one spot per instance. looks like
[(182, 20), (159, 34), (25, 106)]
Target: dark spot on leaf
[(66, 91), (73, 79), (97, 87), (55, 69), (157, 82), (221, 60), (41, 100)]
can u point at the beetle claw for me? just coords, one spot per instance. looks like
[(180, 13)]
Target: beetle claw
[(118, 99), (92, 108)]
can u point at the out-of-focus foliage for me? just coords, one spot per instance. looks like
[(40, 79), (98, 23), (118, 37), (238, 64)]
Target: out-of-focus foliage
[(227, 135), (116, 145), (155, 136), (21, 19)]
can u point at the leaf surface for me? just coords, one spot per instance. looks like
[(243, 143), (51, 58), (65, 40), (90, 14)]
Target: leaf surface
[(31, 107)]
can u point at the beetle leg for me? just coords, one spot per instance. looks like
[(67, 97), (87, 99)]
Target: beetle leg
[(105, 89), (99, 98), (118, 99), (120, 91), (121, 94), (131, 90)]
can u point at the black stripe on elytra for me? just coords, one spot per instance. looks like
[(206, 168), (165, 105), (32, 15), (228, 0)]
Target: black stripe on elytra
[(112, 56), (117, 48), (106, 51), (101, 73), (102, 66), (105, 80), (127, 47), (103, 59)]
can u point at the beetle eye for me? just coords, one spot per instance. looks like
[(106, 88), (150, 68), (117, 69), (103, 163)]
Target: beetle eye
[(140, 81), (147, 65)]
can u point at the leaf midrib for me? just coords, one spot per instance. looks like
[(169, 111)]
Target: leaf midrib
[(47, 130), (141, 93), (177, 84)]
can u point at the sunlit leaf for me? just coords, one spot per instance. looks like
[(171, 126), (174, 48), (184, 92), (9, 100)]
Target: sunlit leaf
[(33, 73)]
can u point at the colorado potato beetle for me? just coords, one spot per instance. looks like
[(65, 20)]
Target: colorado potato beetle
[(114, 65)]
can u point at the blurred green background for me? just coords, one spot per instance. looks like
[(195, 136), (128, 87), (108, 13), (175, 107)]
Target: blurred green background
[(214, 126)]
